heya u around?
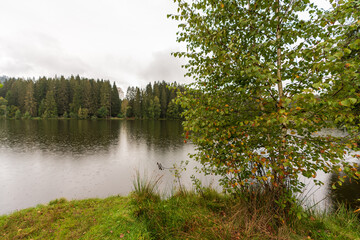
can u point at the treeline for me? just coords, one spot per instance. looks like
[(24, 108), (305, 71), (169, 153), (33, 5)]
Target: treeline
[(73, 97), (83, 98), (153, 102)]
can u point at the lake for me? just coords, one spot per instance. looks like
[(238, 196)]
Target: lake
[(41, 160)]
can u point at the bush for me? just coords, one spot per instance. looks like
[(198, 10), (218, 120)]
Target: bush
[(102, 112), (18, 114), (27, 115), (83, 113), (73, 115)]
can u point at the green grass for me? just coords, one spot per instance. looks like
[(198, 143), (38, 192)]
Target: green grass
[(340, 224), (185, 215), (108, 218)]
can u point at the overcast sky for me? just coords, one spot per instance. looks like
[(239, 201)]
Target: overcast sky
[(126, 41)]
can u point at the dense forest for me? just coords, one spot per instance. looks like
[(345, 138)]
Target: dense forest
[(83, 98), (153, 102)]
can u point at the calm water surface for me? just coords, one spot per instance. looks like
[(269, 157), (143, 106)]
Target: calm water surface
[(41, 160)]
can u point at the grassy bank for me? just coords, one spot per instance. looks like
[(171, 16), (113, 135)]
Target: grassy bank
[(186, 215)]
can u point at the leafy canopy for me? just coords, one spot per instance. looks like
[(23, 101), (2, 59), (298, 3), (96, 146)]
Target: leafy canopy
[(267, 84)]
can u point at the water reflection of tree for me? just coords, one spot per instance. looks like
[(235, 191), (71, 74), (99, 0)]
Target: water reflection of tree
[(77, 136), (162, 135), (348, 193), (87, 136)]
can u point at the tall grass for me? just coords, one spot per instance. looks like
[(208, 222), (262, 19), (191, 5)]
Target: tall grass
[(204, 215), (208, 214), (145, 188), (184, 215)]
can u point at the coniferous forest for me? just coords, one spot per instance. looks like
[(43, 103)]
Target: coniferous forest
[(83, 98)]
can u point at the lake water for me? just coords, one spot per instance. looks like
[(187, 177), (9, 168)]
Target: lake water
[(41, 160)]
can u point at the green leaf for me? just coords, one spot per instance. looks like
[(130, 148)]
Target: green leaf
[(347, 51), (352, 100), (346, 103), (355, 45)]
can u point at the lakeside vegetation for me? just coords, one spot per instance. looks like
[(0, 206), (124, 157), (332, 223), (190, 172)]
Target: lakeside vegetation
[(254, 113), (184, 215), (83, 98), (267, 82)]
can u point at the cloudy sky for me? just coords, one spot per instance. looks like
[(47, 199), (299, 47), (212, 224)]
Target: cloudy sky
[(126, 41)]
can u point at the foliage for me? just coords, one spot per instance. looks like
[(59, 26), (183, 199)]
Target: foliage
[(212, 215), (18, 114), (173, 110), (50, 109), (184, 215), (115, 101), (65, 115), (11, 111), (27, 115), (266, 84), (105, 99), (151, 102), (102, 112), (73, 115), (342, 223), (54, 97), (3, 103), (156, 108), (30, 102), (83, 113)]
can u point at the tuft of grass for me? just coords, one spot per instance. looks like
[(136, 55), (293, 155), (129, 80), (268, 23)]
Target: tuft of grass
[(146, 188), (342, 223), (208, 215)]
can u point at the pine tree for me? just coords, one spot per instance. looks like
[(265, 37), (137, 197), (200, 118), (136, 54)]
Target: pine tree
[(63, 96), (30, 103), (163, 100), (50, 109), (157, 108), (137, 104), (105, 96), (87, 93), (115, 101)]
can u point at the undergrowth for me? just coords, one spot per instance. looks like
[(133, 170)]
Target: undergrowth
[(144, 214)]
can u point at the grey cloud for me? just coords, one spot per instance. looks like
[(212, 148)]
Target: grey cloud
[(37, 54), (166, 67)]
